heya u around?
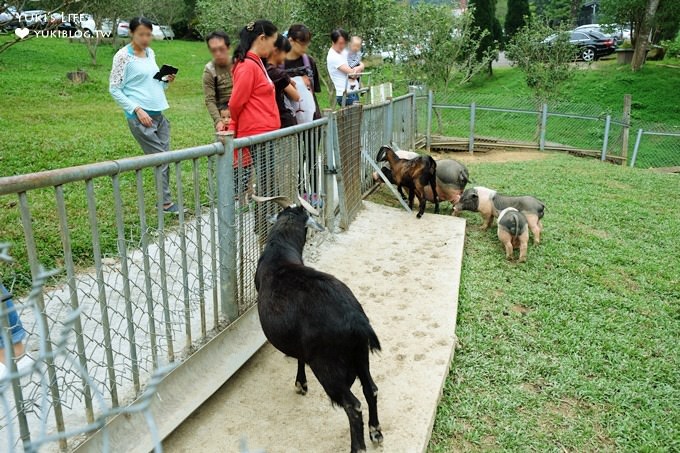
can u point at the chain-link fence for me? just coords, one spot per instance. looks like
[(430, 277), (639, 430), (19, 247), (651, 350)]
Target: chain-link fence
[(141, 290), (656, 146), (26, 388), (290, 165), (468, 121), (348, 126)]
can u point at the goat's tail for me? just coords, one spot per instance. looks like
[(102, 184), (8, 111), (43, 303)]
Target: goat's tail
[(373, 342), (365, 331), (432, 167)]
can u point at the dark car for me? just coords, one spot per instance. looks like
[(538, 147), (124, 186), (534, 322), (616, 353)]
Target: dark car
[(592, 45)]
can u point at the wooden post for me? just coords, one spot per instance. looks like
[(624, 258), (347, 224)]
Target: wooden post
[(627, 103)]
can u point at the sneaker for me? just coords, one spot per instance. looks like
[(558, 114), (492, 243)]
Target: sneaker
[(23, 364), (172, 209)]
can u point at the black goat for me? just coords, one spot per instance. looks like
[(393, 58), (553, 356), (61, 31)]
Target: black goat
[(314, 317), (415, 174)]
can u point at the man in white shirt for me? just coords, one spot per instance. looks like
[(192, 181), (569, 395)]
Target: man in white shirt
[(339, 70)]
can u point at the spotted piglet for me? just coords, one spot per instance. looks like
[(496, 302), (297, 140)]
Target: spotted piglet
[(513, 232)]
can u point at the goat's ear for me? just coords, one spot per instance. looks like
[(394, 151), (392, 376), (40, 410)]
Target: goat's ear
[(311, 223), (272, 218)]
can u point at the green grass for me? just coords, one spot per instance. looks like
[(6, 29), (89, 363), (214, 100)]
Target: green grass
[(593, 91), (55, 123), (576, 350)]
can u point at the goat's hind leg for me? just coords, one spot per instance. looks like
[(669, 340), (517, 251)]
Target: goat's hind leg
[(435, 198), (334, 382), (371, 395), (301, 379)]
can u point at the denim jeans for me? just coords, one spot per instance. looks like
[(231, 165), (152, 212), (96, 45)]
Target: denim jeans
[(17, 332), (352, 98)]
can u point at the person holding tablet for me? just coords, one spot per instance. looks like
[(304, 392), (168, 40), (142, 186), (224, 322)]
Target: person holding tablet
[(138, 87)]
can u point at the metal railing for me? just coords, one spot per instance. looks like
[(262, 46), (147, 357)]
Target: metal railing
[(485, 122), (468, 121), (657, 149), (141, 292)]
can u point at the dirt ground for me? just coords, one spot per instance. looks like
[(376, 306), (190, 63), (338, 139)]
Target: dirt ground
[(406, 274), (493, 155)]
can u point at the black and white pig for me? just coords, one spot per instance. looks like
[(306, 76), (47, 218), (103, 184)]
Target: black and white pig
[(513, 233), (490, 203)]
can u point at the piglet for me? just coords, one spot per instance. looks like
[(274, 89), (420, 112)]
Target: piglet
[(513, 232)]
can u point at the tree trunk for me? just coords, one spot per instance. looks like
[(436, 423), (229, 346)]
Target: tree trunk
[(642, 39)]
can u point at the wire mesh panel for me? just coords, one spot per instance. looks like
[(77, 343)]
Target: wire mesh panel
[(27, 388), (403, 121), (372, 138), (138, 290), (349, 131), (656, 148), (288, 166)]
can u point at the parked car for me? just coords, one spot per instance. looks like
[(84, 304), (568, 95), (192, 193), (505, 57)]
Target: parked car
[(592, 45), (162, 32), (9, 18), (618, 32), (33, 18), (122, 29)]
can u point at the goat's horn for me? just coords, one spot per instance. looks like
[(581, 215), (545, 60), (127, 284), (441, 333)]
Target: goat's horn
[(307, 206), (282, 201)]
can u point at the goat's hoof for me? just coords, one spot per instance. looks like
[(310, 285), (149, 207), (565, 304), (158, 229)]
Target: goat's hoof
[(375, 434), (419, 215), (300, 388)]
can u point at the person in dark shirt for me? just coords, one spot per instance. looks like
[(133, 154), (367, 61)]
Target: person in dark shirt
[(299, 63), (285, 87)]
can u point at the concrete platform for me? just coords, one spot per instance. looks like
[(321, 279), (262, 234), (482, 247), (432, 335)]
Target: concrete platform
[(406, 274)]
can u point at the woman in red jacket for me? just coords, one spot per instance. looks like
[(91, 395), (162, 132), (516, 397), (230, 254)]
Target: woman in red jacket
[(253, 108)]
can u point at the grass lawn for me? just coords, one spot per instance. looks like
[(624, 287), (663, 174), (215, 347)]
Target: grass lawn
[(576, 350), (595, 91)]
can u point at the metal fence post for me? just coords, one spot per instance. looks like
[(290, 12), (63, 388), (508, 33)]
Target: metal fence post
[(544, 121), (428, 132), (330, 170), (414, 120), (55, 391), (635, 149), (471, 143), (389, 122), (226, 227), (605, 142)]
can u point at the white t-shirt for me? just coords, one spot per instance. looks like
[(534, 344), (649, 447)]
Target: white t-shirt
[(333, 61)]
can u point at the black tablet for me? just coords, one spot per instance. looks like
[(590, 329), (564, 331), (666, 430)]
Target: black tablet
[(165, 70)]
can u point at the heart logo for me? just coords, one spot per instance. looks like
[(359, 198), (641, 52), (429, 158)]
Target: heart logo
[(21, 32)]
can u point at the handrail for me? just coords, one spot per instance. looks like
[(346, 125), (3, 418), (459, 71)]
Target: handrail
[(60, 176)]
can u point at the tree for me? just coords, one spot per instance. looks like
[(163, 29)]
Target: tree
[(232, 15), (375, 21), (544, 56), (516, 17), (50, 6), (643, 37), (162, 12), (371, 19), (662, 23), (442, 47), (484, 19)]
